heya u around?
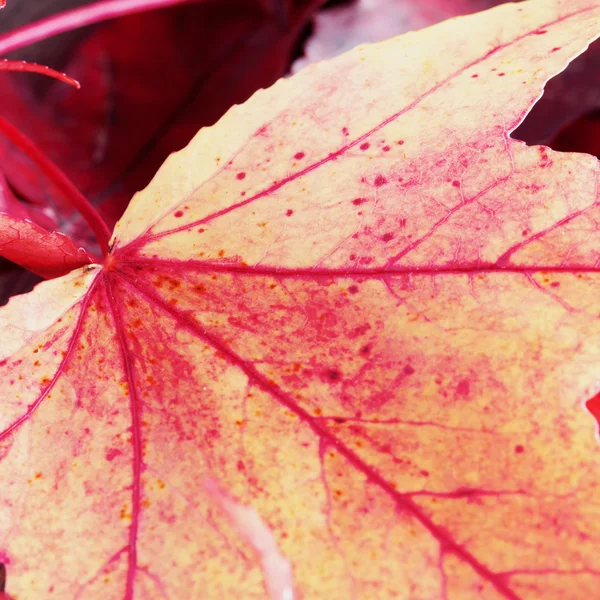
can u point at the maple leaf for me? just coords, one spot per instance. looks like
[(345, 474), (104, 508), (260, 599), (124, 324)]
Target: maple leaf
[(340, 347)]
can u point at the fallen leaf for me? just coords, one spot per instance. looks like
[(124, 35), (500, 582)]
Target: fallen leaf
[(360, 311), (139, 102)]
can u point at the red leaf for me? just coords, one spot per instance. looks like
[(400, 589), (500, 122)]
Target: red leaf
[(139, 102), (47, 254), (349, 332)]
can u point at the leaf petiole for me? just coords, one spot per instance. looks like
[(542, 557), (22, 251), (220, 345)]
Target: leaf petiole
[(62, 182)]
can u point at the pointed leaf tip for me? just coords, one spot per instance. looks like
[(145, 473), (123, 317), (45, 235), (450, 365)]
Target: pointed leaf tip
[(27, 67)]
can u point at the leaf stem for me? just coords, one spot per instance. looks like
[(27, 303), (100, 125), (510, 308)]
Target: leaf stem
[(28, 67), (62, 182), (78, 17)]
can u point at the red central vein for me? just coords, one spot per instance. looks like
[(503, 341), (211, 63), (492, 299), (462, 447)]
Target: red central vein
[(336, 154), (62, 365), (447, 543), (324, 273), (136, 439)]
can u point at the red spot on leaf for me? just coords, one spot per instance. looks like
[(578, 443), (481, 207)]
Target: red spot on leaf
[(360, 330), (380, 180), (540, 31), (462, 389), (241, 175), (178, 214), (299, 155), (353, 289), (386, 148), (289, 212), (333, 375), (365, 146), (408, 370), (545, 160), (593, 405), (519, 449), (555, 49), (456, 183), (501, 74), (358, 201), (474, 75), (386, 237), (112, 453)]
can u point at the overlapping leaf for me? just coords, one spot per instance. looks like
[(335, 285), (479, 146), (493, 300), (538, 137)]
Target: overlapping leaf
[(349, 330)]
